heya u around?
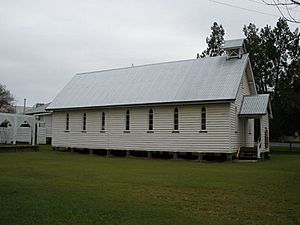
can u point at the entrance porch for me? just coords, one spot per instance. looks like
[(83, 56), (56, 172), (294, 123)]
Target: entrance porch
[(254, 117)]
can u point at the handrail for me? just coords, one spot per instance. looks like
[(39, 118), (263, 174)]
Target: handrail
[(238, 153), (258, 147)]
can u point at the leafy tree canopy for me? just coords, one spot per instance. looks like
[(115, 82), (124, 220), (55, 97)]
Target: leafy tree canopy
[(6, 100), (275, 59), (214, 41)]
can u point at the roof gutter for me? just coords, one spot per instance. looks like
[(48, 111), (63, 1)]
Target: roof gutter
[(252, 115), (41, 113), (144, 105)]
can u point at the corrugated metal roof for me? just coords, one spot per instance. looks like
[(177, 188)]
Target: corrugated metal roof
[(40, 109), (255, 105), (233, 43), (204, 79), (20, 109)]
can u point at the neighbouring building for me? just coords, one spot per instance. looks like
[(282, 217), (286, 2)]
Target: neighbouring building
[(17, 128), (20, 109), (43, 120), (199, 106)]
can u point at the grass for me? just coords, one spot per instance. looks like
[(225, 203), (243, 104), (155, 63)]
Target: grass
[(63, 188), (275, 149)]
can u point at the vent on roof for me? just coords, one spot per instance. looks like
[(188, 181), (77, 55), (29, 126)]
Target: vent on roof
[(234, 48)]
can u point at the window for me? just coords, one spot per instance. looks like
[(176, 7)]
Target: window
[(127, 126), (103, 121), (176, 119), (25, 124), (150, 120), (5, 123), (84, 122), (67, 121), (249, 126), (203, 118)]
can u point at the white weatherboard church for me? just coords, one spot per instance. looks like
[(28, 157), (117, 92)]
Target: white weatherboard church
[(198, 106)]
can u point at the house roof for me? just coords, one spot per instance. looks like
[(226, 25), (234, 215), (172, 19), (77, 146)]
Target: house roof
[(38, 110), (255, 105), (203, 79), (233, 43), (20, 109)]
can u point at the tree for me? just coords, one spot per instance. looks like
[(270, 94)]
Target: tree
[(286, 8), (258, 55), (268, 49), (6, 100), (214, 41), (282, 38), (274, 55), (275, 59), (287, 101)]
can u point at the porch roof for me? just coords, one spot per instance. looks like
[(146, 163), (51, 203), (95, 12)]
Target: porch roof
[(255, 105)]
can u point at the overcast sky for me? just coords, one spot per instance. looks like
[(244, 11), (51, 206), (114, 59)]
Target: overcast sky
[(44, 43)]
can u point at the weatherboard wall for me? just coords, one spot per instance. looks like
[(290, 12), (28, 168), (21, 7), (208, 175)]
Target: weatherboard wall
[(189, 139), (241, 129), (48, 125), (264, 127), (41, 135)]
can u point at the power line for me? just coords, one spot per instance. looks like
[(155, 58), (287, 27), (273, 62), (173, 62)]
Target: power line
[(262, 3), (246, 9), (257, 2)]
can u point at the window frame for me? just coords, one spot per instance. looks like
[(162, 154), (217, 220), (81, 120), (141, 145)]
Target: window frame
[(176, 120), (150, 120), (103, 121), (84, 119), (67, 127), (127, 120), (203, 118)]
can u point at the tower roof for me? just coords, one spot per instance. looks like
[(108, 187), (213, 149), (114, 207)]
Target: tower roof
[(236, 43)]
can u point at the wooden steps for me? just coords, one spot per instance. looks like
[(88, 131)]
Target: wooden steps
[(248, 153)]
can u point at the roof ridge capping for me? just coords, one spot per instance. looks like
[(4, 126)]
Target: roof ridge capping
[(233, 43), (144, 65)]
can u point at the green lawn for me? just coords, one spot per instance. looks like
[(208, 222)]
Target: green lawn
[(69, 188), (283, 149)]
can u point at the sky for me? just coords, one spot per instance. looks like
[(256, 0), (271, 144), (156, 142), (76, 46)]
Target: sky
[(43, 44)]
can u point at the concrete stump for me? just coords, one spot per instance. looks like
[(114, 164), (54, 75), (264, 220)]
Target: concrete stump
[(175, 155), (91, 152), (229, 157), (108, 153), (127, 153), (200, 157), (149, 155)]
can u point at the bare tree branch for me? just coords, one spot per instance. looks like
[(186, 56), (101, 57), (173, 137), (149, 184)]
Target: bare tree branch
[(282, 3), (289, 5), (296, 2)]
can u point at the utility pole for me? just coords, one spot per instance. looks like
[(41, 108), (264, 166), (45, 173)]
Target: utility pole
[(24, 106)]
